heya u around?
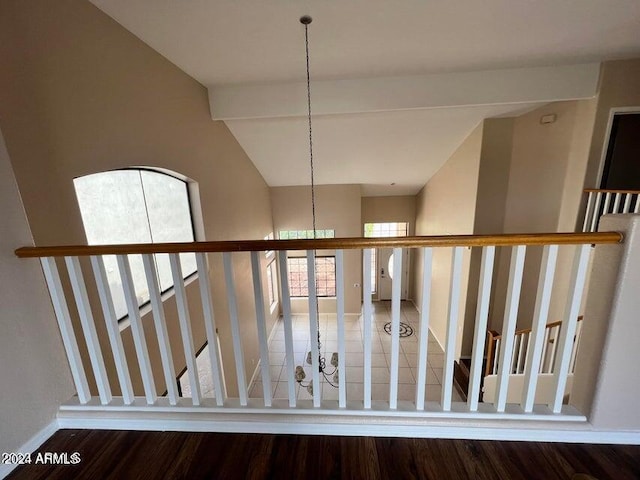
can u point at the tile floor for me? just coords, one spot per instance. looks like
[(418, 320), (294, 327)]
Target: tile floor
[(354, 362), (381, 357)]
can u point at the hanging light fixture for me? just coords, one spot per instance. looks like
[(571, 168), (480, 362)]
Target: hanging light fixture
[(300, 375)]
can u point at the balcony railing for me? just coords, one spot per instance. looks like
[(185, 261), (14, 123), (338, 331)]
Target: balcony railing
[(605, 202), (150, 398)]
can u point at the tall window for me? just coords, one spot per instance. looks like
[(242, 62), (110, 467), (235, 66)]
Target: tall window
[(136, 206), (389, 229)]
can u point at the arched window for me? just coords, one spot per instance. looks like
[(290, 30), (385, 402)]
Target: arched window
[(136, 206)]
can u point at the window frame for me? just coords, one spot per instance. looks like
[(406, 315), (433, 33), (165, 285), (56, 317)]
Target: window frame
[(272, 285), (306, 271), (187, 279), (374, 253)]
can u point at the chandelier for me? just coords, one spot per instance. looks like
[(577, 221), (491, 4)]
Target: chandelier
[(331, 377)]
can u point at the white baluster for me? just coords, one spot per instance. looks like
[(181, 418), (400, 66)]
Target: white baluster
[(210, 327), (161, 328), (367, 320), (425, 305), (185, 327), (396, 284), (452, 325), (637, 208), (66, 328), (616, 203), (509, 324), (137, 329), (607, 203), (521, 352), (544, 366), (567, 333), (235, 328), (479, 335), (258, 297), (111, 322), (496, 356), (313, 328), (627, 203), (535, 354), (514, 357), (589, 212), (288, 329), (342, 367), (553, 340), (89, 328), (596, 212)]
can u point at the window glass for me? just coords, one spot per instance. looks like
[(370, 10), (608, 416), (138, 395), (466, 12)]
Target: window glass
[(305, 234), (136, 206), (272, 291), (325, 276)]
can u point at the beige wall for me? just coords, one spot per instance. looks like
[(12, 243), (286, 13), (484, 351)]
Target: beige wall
[(446, 206), (493, 183), (401, 208), (34, 374), (338, 208), (545, 182), (80, 94)]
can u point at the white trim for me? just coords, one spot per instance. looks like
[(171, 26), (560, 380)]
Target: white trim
[(271, 335), (558, 431), (31, 445), (407, 92), (607, 136), (378, 410)]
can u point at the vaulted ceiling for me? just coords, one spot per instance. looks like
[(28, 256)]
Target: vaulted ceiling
[(398, 85)]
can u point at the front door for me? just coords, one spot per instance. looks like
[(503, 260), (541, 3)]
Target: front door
[(384, 257)]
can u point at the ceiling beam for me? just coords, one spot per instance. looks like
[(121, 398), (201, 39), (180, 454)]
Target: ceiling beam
[(490, 87)]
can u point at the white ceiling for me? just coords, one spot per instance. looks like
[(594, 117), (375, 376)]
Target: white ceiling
[(363, 149), (232, 42)]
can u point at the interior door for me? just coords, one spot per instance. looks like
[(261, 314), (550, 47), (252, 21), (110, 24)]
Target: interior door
[(386, 273)]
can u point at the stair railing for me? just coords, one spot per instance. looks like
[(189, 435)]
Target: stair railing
[(522, 341), (604, 202)]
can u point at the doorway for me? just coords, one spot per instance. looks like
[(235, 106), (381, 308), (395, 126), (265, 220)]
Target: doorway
[(621, 169), (386, 274), (382, 260)]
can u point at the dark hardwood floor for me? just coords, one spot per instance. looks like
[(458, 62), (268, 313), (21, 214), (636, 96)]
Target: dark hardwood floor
[(168, 455)]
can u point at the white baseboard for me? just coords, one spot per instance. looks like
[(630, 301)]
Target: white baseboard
[(31, 445), (256, 370)]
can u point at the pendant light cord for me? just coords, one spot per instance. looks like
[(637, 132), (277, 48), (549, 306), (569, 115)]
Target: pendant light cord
[(313, 193)]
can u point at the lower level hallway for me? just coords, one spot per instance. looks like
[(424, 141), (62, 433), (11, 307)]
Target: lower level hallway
[(110, 454)]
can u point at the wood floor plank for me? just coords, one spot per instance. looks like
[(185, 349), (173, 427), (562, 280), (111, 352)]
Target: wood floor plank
[(180, 455)]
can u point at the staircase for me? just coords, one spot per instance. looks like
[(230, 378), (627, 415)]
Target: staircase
[(521, 354)]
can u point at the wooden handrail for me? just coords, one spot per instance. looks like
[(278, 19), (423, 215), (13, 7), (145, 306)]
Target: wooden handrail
[(495, 335), (326, 244), (599, 190)]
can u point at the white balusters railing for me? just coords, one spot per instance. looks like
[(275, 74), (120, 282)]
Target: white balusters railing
[(452, 327), (423, 343), (137, 329), (604, 202), (547, 348), (367, 321)]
